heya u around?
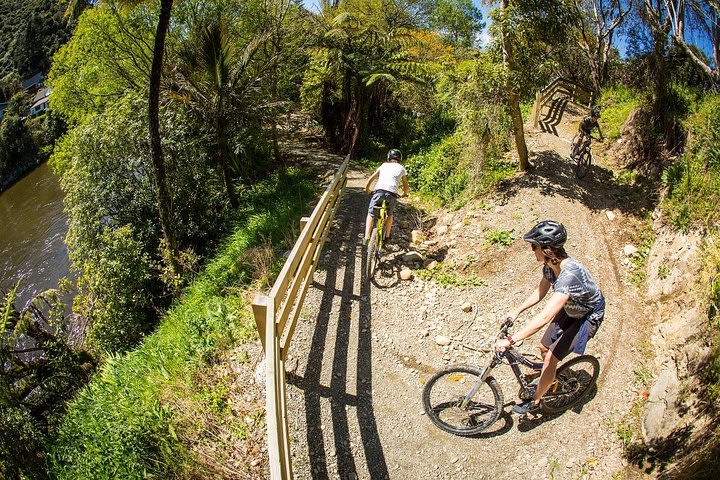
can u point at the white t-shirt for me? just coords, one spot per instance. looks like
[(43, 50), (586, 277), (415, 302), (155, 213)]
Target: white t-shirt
[(390, 175)]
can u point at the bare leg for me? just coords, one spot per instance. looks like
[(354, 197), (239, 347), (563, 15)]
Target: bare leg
[(368, 226), (388, 226), (547, 376)]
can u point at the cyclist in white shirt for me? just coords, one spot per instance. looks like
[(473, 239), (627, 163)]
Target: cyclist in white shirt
[(388, 176)]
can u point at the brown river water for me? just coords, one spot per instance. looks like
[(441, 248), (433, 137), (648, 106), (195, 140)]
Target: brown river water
[(32, 235)]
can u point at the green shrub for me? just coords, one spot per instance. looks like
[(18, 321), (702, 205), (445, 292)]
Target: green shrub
[(120, 426), (500, 237), (438, 171), (693, 182), (445, 276), (618, 102)]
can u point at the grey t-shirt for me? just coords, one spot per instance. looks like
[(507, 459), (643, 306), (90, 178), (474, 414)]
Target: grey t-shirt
[(577, 283)]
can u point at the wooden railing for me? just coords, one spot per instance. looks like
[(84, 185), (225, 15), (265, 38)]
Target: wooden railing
[(575, 93), (276, 316)]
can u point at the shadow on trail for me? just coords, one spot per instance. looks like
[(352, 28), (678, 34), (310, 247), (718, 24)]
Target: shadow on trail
[(346, 245), (554, 174), (525, 424)]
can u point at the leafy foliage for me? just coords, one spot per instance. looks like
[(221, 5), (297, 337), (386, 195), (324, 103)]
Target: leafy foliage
[(31, 31), (113, 238), (120, 425), (693, 181)]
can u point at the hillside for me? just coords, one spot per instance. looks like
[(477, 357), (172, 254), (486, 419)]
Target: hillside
[(363, 353)]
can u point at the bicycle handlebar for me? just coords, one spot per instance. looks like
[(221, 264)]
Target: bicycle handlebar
[(506, 325)]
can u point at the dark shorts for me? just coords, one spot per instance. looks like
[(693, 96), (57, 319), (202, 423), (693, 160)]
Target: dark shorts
[(563, 334), (390, 201)]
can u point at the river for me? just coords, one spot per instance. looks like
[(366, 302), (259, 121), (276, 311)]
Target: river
[(32, 234)]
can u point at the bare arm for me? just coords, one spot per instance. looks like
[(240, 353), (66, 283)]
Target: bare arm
[(553, 307), (533, 299), (600, 134), (405, 185), (370, 181)]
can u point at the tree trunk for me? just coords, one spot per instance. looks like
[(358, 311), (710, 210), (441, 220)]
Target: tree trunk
[(222, 146), (514, 98), (162, 196)]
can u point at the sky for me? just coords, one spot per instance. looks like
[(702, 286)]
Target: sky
[(619, 40)]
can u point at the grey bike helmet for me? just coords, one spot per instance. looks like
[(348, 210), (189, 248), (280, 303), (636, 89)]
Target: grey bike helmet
[(394, 154), (547, 234), (595, 112)]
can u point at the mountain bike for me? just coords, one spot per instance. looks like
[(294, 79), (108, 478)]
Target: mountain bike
[(465, 400), (582, 155), (376, 238)]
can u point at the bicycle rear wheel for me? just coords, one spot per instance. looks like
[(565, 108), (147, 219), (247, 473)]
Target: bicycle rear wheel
[(444, 393), (573, 380), (372, 253), (582, 164)]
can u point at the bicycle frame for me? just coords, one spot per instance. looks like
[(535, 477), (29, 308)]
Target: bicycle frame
[(514, 359), (381, 218)]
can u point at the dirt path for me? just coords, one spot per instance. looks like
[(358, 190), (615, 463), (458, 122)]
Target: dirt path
[(361, 353)]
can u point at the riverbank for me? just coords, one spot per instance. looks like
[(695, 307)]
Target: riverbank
[(17, 174)]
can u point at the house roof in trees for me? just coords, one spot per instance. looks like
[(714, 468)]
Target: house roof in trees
[(33, 82), (41, 97)]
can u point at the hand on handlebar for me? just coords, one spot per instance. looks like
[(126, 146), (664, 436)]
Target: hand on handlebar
[(502, 344)]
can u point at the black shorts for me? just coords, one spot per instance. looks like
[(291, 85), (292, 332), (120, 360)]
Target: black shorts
[(562, 334), (376, 200)]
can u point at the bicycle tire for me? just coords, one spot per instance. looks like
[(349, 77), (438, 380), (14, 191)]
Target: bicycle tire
[(572, 153), (573, 380), (444, 391), (582, 164), (371, 253)]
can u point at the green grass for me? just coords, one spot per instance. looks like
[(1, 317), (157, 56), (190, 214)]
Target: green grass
[(445, 276), (643, 240), (500, 237), (617, 102), (120, 425)]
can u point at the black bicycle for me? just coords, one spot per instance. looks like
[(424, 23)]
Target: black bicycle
[(582, 155), (465, 400)]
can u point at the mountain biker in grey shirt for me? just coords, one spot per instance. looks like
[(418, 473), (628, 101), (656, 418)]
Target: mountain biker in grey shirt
[(575, 310)]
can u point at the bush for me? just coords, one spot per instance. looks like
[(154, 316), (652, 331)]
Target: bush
[(120, 426), (437, 172), (618, 102), (693, 182)]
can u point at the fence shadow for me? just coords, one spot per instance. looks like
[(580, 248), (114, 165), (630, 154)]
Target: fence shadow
[(346, 246)]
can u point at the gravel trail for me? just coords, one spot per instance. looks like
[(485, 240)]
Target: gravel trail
[(361, 352)]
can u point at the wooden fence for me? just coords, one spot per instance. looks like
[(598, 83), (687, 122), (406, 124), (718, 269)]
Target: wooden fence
[(575, 93), (276, 316)]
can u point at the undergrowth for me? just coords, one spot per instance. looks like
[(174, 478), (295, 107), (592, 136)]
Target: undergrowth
[(643, 239), (693, 182), (445, 276), (618, 102), (120, 425)]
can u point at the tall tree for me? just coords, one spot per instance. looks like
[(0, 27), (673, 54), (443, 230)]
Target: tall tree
[(162, 195), (702, 15), (597, 22), (160, 183), (513, 97)]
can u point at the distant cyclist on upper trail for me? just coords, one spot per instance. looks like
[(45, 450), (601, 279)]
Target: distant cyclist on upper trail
[(585, 129), (574, 311), (388, 176)]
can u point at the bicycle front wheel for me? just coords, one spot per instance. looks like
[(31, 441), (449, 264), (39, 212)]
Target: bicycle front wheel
[(445, 392), (372, 253), (582, 164), (573, 380)]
